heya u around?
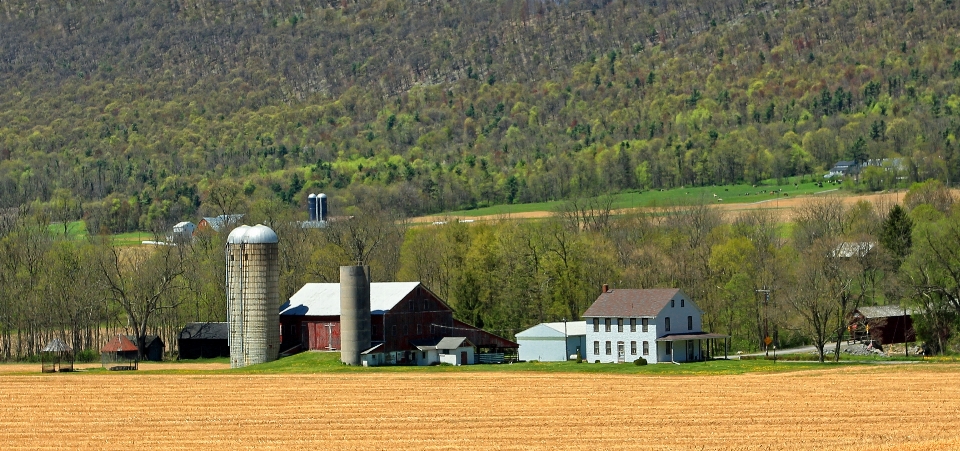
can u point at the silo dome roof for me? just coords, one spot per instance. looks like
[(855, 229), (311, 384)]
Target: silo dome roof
[(260, 234), (322, 195), (312, 196), (237, 234)]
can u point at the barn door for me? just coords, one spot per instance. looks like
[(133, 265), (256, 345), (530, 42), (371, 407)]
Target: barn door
[(463, 357)]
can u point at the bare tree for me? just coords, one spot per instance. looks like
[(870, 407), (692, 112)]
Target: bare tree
[(142, 282)]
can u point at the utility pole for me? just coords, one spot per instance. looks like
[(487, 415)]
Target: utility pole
[(766, 331)]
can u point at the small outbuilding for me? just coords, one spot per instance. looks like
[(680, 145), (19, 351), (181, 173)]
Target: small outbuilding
[(553, 342), (120, 354), (152, 348), (56, 356), (204, 341), (883, 323), (452, 350)]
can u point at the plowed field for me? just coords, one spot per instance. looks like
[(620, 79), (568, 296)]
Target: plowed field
[(852, 408)]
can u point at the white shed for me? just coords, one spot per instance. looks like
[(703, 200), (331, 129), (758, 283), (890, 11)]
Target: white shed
[(453, 350), (545, 341)]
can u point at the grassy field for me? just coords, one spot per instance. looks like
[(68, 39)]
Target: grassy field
[(850, 407), (679, 196)]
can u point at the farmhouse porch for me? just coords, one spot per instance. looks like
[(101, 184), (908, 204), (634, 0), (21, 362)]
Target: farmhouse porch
[(691, 346)]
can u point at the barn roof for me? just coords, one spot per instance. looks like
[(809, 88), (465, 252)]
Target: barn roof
[(632, 302), (323, 299), (148, 340), (884, 311), (204, 331), (119, 344), (56, 345)]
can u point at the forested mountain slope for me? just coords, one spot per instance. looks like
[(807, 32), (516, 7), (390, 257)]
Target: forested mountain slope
[(140, 107)]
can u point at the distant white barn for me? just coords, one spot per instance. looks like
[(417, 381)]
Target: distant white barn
[(553, 342)]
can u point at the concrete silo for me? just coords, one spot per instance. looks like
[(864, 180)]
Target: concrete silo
[(322, 207), (253, 295), (354, 313)]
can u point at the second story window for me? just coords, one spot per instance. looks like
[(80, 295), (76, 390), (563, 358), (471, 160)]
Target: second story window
[(619, 324), (606, 324), (633, 324), (689, 323), (645, 324), (666, 324), (596, 325)]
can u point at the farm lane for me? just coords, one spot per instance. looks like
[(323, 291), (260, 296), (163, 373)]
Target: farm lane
[(798, 410)]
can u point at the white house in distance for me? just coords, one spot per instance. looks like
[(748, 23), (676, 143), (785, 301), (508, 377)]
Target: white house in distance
[(545, 341), (660, 325)]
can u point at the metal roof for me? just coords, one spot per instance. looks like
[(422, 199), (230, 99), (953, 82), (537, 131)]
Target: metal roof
[(445, 343), (884, 311), (217, 223), (633, 302), (323, 299), (204, 331), (119, 344), (555, 330), (56, 345)]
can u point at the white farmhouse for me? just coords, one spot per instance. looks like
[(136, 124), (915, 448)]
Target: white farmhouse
[(553, 342), (659, 325)]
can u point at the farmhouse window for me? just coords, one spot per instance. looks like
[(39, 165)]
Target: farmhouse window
[(681, 302), (596, 348), (646, 348), (596, 325), (633, 348), (606, 324), (666, 324), (672, 303), (645, 323), (619, 324), (689, 323), (633, 324), (609, 349)]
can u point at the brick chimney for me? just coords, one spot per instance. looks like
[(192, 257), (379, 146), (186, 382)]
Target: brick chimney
[(606, 288)]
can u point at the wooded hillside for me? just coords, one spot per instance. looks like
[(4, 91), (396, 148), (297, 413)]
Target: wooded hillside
[(139, 108)]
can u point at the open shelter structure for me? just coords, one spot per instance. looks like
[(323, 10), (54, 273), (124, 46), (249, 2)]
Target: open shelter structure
[(120, 354), (56, 356)]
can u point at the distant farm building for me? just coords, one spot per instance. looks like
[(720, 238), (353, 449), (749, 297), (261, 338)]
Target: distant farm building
[(659, 325), (553, 342), (884, 323), (451, 350), (219, 223), (406, 319), (119, 354), (152, 348), (204, 341), (56, 356)]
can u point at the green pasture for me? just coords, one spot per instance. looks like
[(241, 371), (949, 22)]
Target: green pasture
[(730, 194)]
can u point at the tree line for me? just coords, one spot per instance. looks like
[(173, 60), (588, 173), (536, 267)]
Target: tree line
[(135, 109), (793, 275)]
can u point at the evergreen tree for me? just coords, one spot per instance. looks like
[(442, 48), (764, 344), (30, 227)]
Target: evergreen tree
[(896, 232)]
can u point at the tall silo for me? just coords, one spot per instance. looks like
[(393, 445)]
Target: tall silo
[(253, 295), (322, 207), (312, 206), (354, 313)]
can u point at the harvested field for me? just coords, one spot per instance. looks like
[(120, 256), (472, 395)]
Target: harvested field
[(848, 408)]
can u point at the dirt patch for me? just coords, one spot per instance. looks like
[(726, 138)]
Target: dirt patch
[(818, 410)]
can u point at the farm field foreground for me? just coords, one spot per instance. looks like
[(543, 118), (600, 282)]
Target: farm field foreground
[(868, 407)]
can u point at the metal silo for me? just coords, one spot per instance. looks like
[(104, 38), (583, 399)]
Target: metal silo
[(312, 206), (354, 313), (253, 295), (322, 207)]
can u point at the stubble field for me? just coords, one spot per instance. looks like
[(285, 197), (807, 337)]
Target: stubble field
[(849, 408)]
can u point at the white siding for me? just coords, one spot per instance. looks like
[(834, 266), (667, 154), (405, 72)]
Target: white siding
[(544, 349), (626, 337)]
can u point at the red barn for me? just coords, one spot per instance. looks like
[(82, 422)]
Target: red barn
[(400, 313)]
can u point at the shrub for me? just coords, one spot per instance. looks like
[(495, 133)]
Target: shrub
[(640, 362), (596, 361)]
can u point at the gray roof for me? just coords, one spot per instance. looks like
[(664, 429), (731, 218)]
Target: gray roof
[(444, 343), (323, 299), (555, 330), (204, 331), (884, 311), (219, 222), (633, 302), (56, 345)]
